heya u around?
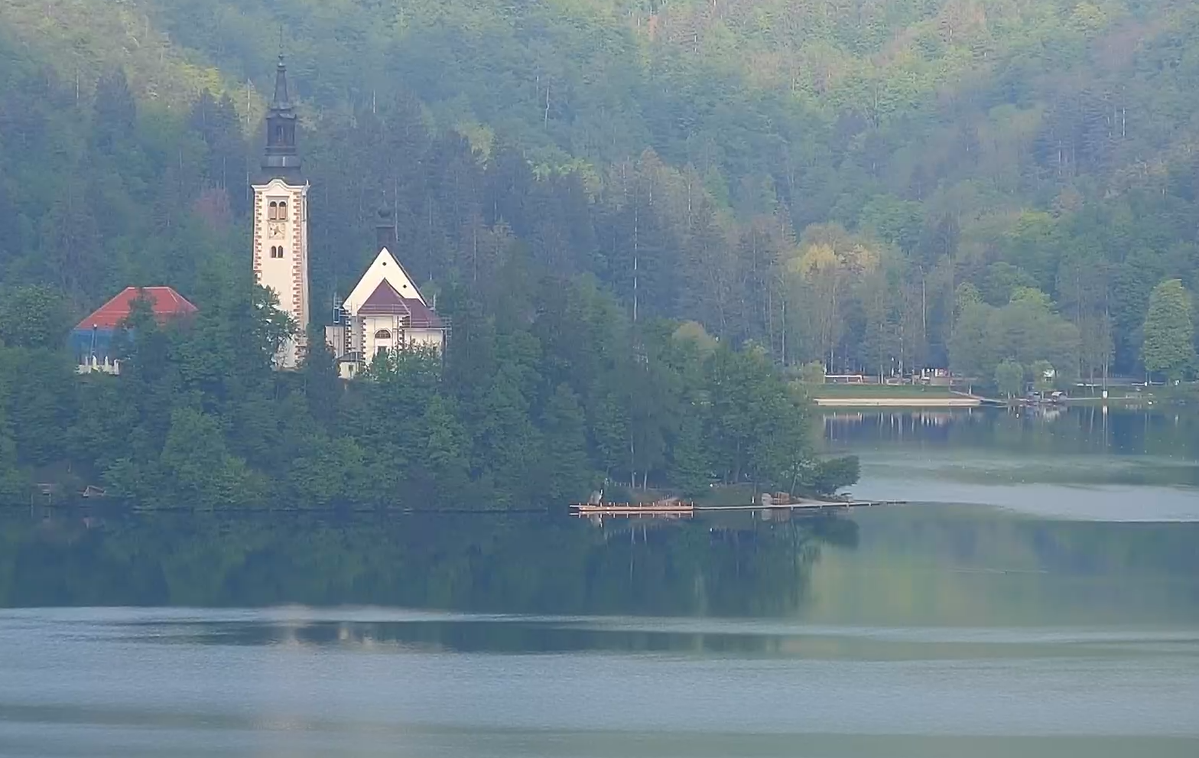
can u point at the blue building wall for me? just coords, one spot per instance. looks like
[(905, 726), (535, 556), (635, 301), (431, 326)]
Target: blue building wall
[(102, 343)]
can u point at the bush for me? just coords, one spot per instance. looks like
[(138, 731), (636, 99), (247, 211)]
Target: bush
[(812, 373), (835, 473)]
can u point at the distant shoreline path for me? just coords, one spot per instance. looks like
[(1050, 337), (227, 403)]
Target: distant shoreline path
[(898, 402)]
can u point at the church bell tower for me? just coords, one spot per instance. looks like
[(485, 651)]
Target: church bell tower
[(281, 220)]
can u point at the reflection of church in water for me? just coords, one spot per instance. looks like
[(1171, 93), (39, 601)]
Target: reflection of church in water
[(384, 311)]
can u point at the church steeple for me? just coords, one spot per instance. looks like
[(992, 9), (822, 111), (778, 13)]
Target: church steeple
[(282, 157), (281, 221)]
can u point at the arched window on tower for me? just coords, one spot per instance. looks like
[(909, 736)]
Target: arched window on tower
[(276, 251), (282, 211), (272, 213)]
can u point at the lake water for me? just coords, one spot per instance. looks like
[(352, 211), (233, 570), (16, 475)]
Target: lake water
[(1082, 463), (1039, 596)]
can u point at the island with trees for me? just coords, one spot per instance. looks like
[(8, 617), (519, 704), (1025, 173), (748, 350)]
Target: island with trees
[(546, 392)]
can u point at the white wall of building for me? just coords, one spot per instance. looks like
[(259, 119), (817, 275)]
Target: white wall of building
[(370, 334), (281, 256), (386, 332)]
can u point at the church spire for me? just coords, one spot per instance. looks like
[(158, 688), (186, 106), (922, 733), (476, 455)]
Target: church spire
[(280, 101), (282, 157)]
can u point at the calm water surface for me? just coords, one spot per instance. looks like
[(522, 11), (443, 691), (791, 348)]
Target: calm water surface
[(1063, 623), (1081, 463)]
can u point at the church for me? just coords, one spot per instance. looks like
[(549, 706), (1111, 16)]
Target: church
[(384, 311)]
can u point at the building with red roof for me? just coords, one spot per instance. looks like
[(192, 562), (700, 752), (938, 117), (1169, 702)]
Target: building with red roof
[(165, 303), (92, 340)]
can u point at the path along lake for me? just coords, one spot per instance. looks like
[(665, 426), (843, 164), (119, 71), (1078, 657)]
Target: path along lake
[(1039, 596)]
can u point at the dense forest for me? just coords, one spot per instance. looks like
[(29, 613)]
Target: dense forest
[(879, 185)]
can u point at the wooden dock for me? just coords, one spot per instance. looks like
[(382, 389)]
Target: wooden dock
[(669, 509), (680, 510), (803, 506)]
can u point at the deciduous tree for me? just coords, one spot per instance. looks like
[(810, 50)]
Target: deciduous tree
[(1169, 331)]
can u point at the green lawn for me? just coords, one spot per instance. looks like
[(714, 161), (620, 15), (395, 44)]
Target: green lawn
[(1184, 393), (730, 494)]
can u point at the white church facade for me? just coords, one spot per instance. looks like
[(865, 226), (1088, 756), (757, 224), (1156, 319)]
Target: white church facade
[(385, 310)]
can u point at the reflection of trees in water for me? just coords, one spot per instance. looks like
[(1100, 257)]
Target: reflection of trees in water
[(467, 563), (962, 538), (1167, 431), (978, 566)]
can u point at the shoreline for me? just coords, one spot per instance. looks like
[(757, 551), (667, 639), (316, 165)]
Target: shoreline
[(974, 402), (897, 402)]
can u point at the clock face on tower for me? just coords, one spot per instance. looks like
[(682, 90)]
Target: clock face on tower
[(275, 230)]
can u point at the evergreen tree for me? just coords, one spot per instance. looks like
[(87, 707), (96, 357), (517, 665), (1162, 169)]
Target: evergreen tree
[(115, 111), (13, 480), (690, 468), (564, 472)]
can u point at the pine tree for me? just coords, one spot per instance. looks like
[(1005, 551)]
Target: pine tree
[(564, 466), (115, 111)]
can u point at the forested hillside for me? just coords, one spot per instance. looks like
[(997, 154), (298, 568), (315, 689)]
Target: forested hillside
[(847, 181)]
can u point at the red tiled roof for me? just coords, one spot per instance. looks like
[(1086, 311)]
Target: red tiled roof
[(385, 301), (165, 303)]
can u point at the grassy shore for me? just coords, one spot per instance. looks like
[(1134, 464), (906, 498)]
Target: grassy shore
[(1121, 400), (727, 494), (917, 395), (1183, 394)]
